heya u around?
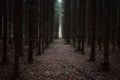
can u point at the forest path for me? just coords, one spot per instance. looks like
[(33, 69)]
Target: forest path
[(54, 64)]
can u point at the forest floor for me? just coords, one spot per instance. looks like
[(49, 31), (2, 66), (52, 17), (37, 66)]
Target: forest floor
[(61, 62)]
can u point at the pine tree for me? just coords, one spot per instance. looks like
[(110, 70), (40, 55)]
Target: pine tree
[(5, 16), (1, 11), (31, 17), (93, 24), (10, 21), (39, 26), (107, 26), (17, 19)]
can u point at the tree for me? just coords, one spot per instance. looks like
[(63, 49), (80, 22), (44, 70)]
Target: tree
[(83, 24), (52, 2), (67, 18), (39, 26), (31, 6), (118, 29), (10, 20), (1, 7), (73, 21), (43, 25), (100, 24), (114, 23), (36, 29), (25, 21), (79, 14), (93, 25), (107, 26), (17, 34), (5, 16), (47, 27)]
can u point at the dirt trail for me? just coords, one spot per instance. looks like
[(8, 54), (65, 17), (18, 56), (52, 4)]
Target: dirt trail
[(61, 62), (55, 64)]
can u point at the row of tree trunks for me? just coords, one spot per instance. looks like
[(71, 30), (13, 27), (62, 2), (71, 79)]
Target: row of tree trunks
[(96, 19), (31, 23)]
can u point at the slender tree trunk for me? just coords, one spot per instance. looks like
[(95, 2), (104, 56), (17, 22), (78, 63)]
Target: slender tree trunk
[(100, 26), (17, 34), (25, 22), (31, 13), (10, 10), (79, 15), (107, 26), (51, 20), (5, 16), (1, 13), (39, 26), (42, 26), (93, 40), (118, 40), (73, 22), (68, 22), (83, 25)]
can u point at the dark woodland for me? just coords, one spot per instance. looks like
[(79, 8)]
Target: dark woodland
[(59, 39)]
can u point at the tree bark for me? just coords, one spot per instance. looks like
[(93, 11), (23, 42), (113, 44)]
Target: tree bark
[(5, 16), (93, 40), (31, 6), (17, 34)]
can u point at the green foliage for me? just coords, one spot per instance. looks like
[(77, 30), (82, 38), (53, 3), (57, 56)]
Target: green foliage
[(58, 8), (64, 70)]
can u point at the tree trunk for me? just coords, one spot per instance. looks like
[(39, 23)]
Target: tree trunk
[(1, 13), (10, 21), (93, 40), (83, 25), (5, 16), (39, 26), (31, 6), (107, 26), (17, 34)]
